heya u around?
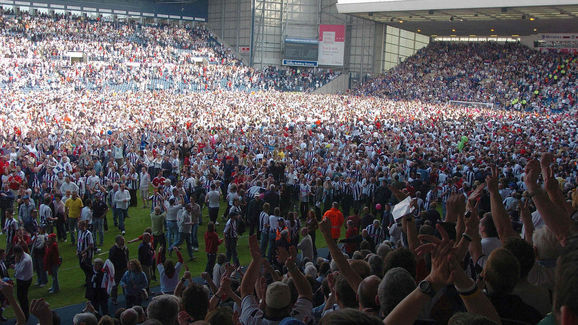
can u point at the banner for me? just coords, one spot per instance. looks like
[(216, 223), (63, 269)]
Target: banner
[(331, 44), (564, 43)]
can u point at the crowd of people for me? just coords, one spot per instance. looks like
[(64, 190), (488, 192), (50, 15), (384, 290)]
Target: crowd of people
[(68, 52), (281, 161), (510, 76), (430, 213)]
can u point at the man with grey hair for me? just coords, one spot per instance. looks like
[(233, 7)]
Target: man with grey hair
[(164, 308), (84, 319), (129, 317), (394, 287)]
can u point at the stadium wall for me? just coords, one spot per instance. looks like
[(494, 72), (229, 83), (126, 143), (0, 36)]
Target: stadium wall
[(338, 85), (256, 29)]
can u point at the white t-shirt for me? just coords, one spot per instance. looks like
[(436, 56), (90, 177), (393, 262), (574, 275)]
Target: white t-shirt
[(169, 284), (213, 198), (86, 215), (273, 222)]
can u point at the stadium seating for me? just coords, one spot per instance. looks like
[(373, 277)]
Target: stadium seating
[(507, 75)]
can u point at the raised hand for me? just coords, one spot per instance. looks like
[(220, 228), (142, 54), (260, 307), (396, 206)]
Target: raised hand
[(325, 227), (550, 182), (254, 247), (455, 206), (282, 255), (473, 222), (546, 159), (492, 180), (41, 309), (441, 251), (532, 174)]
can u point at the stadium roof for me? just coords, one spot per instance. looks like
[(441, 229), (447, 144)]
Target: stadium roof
[(471, 18)]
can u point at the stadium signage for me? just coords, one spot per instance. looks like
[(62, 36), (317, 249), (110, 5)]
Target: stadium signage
[(300, 63)]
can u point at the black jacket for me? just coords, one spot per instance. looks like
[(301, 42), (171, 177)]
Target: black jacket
[(119, 258)]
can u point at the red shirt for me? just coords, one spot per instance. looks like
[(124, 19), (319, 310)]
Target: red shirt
[(350, 233), (14, 182), (157, 181), (212, 242), (51, 257)]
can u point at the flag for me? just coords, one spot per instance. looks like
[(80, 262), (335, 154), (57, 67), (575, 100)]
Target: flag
[(108, 278)]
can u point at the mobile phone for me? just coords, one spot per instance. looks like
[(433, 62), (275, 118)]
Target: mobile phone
[(468, 214)]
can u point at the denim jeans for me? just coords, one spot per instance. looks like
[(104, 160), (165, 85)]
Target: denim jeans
[(172, 232), (115, 212), (264, 242), (194, 236), (72, 228), (55, 287), (272, 253), (186, 238), (231, 246), (98, 226), (122, 214), (38, 263), (211, 258)]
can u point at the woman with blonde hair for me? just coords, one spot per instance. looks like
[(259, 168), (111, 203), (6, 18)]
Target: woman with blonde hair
[(134, 283)]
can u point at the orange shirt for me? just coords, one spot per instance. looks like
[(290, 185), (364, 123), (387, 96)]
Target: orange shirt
[(336, 218)]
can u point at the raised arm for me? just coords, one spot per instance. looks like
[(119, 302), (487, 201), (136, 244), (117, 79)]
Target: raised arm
[(352, 277), (7, 290), (472, 230), (207, 277), (301, 284), (253, 270), (499, 214), (526, 218), (455, 206), (551, 184), (408, 310), (408, 223), (179, 255), (474, 299), (555, 217)]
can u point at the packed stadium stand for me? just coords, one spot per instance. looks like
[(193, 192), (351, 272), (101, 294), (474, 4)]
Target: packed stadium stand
[(508, 75), (120, 56)]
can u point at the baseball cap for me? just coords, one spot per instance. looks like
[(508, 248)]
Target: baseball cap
[(278, 295)]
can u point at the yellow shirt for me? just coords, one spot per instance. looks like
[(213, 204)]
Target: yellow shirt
[(74, 207)]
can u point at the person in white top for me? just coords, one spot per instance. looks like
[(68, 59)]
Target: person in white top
[(86, 213), (273, 225), (144, 184), (23, 274), (490, 240), (121, 202), (213, 199)]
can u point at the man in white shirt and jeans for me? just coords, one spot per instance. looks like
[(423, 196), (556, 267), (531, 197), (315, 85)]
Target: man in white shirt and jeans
[(121, 201), (23, 274)]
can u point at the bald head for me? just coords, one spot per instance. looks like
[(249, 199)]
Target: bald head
[(367, 291)]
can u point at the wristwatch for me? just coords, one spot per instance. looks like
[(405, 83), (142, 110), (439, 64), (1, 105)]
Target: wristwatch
[(426, 288)]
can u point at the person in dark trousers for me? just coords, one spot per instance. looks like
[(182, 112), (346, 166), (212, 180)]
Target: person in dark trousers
[(96, 290), (231, 238), (212, 243), (85, 249), (118, 255), (146, 255), (254, 209)]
